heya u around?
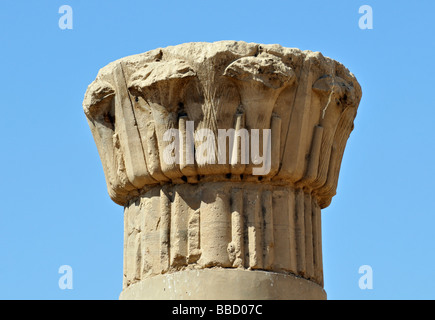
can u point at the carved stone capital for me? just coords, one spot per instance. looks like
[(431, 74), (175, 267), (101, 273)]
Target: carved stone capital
[(283, 109)]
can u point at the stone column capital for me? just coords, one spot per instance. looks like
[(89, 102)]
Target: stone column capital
[(228, 149), (308, 101)]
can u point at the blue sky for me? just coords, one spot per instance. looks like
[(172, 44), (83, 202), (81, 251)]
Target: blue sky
[(55, 208)]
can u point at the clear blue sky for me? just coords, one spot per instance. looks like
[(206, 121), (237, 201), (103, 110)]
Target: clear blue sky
[(55, 209)]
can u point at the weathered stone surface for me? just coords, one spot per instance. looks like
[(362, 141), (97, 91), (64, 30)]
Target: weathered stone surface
[(224, 284), (222, 213), (223, 224)]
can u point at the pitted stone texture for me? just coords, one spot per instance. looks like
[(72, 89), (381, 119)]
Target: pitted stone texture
[(307, 100)]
